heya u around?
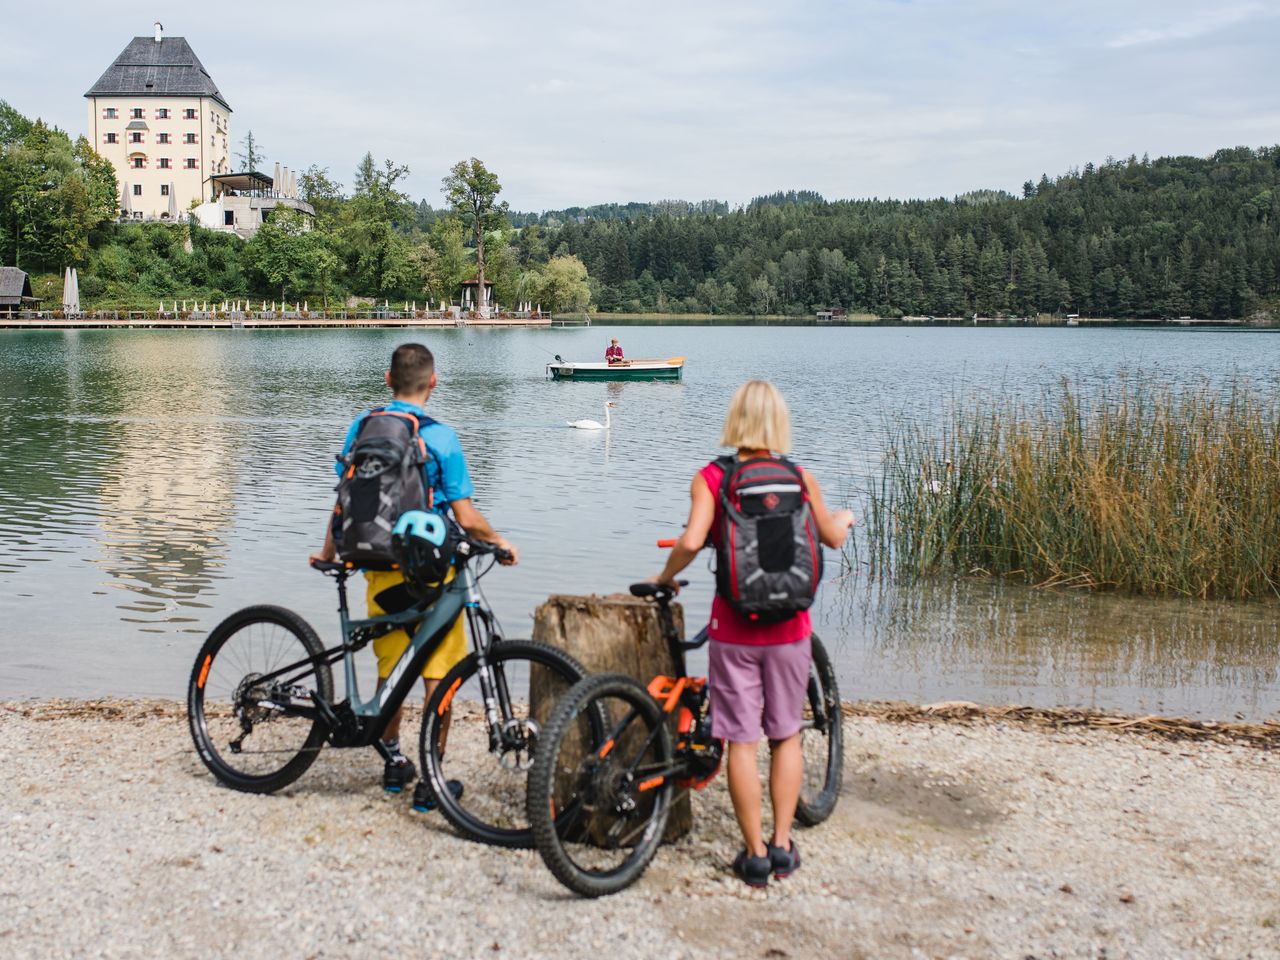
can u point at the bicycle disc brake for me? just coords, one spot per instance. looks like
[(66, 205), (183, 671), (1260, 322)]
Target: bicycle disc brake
[(519, 738)]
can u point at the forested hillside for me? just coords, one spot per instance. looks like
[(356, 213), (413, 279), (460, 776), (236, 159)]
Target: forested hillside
[(1168, 237)]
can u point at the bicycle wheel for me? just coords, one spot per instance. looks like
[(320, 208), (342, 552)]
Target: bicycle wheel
[(245, 727), (599, 814), (492, 762), (822, 741)]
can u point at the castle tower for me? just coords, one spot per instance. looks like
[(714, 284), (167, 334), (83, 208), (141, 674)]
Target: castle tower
[(157, 115)]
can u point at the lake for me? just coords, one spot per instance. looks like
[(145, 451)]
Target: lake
[(154, 481)]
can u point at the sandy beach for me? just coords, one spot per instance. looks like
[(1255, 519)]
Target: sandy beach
[(993, 838)]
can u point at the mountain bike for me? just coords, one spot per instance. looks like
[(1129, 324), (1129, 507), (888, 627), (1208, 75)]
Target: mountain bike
[(261, 705), (599, 808)]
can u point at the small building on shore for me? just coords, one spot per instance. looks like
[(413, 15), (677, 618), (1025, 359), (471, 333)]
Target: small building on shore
[(15, 292), (243, 202), (471, 298)]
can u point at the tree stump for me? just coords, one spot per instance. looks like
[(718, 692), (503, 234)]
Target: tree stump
[(614, 634)]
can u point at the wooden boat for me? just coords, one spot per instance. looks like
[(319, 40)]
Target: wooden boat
[(670, 368)]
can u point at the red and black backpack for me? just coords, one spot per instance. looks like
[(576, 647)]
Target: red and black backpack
[(768, 555)]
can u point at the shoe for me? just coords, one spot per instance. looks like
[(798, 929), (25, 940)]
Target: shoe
[(753, 871), (398, 774), (784, 862), (424, 798)]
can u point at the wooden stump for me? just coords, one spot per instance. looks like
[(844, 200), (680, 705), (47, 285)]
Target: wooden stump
[(614, 634)]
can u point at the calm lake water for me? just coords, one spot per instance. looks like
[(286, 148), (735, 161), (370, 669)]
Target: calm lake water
[(154, 481)]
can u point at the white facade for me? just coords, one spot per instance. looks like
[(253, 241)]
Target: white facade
[(172, 148), (157, 115)]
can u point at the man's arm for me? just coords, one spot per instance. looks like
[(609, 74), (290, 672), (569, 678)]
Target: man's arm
[(329, 551), (473, 521)]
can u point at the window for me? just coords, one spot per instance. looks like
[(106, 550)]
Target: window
[(228, 218), (164, 164), (138, 163), (162, 138), (162, 113), (137, 189), (135, 136), (109, 113), (137, 113), (112, 138), (189, 113), (164, 187), (189, 138), (191, 163)]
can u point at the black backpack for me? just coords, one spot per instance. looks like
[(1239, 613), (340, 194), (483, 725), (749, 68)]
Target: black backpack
[(768, 554), (383, 477)]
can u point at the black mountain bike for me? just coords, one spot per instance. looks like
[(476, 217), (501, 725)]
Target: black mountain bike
[(599, 808), (261, 704)]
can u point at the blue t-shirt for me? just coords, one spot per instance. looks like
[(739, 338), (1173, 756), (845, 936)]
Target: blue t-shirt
[(446, 467)]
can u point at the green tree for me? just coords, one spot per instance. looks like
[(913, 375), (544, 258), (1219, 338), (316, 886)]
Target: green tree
[(322, 192), (252, 153), (564, 285), (472, 191)]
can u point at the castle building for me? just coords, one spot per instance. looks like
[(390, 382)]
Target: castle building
[(157, 115)]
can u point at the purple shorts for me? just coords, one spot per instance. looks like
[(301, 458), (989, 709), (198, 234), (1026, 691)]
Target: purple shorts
[(753, 684)]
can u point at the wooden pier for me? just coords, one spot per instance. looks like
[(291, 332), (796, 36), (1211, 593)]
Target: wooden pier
[(257, 320)]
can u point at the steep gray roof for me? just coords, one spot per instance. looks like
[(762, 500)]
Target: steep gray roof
[(147, 68), (14, 285)]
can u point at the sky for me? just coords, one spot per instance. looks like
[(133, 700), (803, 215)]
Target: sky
[(576, 103)]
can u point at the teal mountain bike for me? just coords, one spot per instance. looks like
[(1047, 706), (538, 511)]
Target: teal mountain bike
[(261, 704)]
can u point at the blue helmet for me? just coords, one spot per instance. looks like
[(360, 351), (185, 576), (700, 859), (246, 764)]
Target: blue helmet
[(424, 548)]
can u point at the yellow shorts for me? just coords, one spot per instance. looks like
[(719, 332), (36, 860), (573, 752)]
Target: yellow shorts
[(388, 647)]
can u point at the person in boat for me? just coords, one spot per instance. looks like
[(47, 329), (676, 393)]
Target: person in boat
[(613, 352), (759, 671)]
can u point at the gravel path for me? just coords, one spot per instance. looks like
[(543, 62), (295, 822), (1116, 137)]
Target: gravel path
[(951, 840)]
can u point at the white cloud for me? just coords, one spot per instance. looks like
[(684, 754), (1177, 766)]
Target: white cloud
[(1192, 27)]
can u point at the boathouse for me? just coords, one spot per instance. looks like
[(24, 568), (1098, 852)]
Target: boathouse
[(15, 292)]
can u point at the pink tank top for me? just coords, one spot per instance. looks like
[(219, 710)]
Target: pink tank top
[(727, 624)]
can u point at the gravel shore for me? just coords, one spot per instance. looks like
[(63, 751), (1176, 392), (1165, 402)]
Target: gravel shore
[(991, 839)]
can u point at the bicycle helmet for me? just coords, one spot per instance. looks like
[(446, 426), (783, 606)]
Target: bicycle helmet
[(423, 543)]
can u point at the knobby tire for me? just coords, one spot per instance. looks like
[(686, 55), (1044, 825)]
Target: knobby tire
[(218, 756)]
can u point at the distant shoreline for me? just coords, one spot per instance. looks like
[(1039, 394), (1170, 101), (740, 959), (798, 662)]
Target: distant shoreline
[(138, 320)]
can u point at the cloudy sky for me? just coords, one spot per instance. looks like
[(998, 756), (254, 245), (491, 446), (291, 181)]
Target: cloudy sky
[(590, 102)]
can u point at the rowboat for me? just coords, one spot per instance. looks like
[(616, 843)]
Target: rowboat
[(670, 368)]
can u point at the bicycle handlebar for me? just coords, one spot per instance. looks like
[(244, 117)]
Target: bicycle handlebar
[(466, 547)]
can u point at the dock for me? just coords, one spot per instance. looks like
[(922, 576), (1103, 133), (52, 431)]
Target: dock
[(257, 320)]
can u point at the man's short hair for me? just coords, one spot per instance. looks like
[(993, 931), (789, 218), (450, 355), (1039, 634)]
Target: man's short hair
[(411, 368)]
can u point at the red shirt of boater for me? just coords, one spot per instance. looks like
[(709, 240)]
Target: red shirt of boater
[(612, 353)]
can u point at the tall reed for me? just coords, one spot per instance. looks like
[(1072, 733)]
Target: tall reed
[(1146, 490)]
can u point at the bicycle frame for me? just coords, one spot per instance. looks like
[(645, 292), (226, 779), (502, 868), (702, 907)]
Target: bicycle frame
[(356, 722)]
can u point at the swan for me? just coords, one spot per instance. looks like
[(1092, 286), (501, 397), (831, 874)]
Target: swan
[(594, 424)]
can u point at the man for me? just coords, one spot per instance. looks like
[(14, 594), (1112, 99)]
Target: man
[(412, 378), (613, 352)]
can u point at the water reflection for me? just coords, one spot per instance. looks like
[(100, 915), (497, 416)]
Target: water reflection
[(990, 641), (155, 481)]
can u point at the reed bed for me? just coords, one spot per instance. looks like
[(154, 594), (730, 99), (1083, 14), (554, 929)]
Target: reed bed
[(1142, 489)]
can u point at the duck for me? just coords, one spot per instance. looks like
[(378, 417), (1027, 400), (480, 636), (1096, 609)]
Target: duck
[(594, 424)]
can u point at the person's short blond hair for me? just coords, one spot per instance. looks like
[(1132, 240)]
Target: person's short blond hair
[(758, 419)]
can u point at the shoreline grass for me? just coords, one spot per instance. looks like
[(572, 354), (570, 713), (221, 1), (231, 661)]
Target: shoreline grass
[(1143, 490)]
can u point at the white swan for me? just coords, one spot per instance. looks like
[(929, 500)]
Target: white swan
[(593, 424)]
